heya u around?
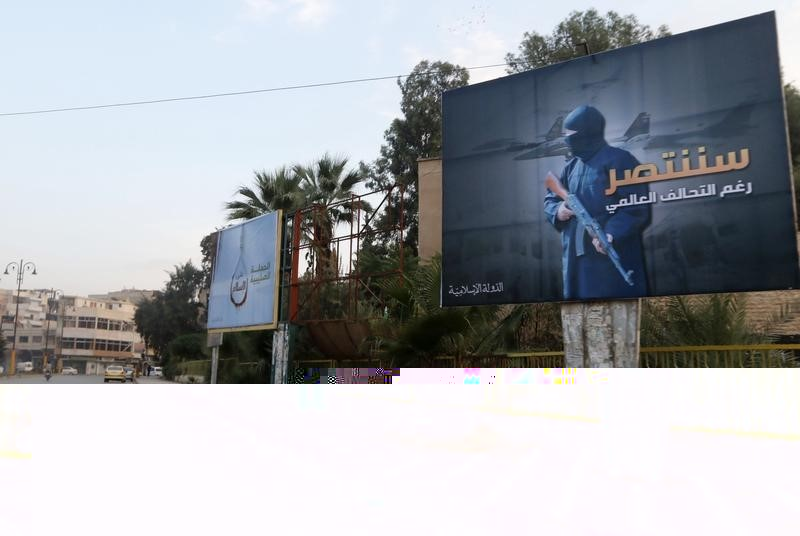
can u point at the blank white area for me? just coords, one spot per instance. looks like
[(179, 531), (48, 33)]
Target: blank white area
[(402, 459)]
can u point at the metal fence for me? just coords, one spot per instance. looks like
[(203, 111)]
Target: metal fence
[(738, 356), (720, 356)]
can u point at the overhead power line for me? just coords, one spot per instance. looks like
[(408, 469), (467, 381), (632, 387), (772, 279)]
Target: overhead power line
[(235, 93)]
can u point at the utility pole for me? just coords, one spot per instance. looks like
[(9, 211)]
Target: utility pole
[(51, 300), (19, 267)]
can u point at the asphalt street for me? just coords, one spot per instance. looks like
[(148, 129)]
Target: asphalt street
[(29, 379)]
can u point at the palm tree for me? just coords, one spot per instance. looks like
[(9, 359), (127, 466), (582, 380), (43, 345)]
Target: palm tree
[(329, 187), (271, 191)]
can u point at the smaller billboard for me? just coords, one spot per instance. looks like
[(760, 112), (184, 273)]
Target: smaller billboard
[(244, 284)]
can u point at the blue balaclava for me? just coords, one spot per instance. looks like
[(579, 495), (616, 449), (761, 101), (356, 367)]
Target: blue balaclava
[(589, 126)]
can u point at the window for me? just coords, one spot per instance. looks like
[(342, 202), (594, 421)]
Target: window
[(114, 325), (23, 338), (101, 344), (68, 343), (86, 322), (37, 339), (102, 323), (70, 322), (83, 344)]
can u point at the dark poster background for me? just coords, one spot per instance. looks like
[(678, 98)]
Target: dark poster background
[(717, 88)]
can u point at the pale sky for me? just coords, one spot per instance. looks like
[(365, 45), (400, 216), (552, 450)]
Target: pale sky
[(112, 198)]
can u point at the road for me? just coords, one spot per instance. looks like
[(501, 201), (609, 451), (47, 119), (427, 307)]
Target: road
[(29, 379)]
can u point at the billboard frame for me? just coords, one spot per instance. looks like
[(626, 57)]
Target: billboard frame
[(278, 276)]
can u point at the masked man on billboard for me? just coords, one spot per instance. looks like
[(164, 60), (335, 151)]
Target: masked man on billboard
[(588, 272)]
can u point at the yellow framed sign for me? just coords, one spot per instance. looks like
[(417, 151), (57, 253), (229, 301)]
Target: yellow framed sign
[(246, 276)]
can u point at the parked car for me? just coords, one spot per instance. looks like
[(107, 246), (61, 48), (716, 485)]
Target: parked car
[(114, 373), (25, 366), (2, 369), (129, 372), (156, 371), (69, 371)]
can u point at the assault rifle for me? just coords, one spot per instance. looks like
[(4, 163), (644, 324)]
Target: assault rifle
[(585, 219)]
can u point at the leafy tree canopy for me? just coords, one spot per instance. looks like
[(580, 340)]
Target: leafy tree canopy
[(174, 311), (599, 33), (417, 134)]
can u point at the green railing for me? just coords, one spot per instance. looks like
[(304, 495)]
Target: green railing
[(715, 356), (721, 356), (201, 367)]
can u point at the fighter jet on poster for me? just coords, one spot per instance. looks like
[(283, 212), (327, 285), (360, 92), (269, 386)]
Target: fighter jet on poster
[(639, 130), (512, 144), (702, 128)]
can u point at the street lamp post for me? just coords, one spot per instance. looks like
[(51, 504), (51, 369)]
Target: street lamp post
[(52, 296), (19, 267)]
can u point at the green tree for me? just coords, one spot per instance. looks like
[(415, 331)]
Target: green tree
[(271, 191), (598, 32), (417, 134), (329, 186), (173, 311), (325, 183), (696, 320), (715, 319), (208, 250), (416, 329)]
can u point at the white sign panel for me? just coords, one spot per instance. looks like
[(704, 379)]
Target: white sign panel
[(244, 286)]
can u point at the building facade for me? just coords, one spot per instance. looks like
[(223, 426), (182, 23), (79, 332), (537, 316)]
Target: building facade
[(96, 332), (87, 333), (33, 335)]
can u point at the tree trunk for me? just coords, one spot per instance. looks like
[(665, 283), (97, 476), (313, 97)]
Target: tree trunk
[(601, 334)]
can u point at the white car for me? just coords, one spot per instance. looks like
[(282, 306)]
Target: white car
[(2, 369), (25, 366), (69, 371), (156, 371)]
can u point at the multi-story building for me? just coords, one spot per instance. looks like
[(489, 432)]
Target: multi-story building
[(86, 333), (96, 332), (33, 335)]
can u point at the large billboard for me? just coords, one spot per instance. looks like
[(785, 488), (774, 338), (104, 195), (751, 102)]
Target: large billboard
[(656, 169), (244, 284)]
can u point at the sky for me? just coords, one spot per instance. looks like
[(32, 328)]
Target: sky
[(113, 198)]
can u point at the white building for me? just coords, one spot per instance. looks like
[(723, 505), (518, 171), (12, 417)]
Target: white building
[(31, 324), (86, 333), (96, 332)]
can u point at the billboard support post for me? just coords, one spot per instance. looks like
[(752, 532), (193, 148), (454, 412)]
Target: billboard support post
[(601, 334), (214, 363), (281, 347), (214, 341)]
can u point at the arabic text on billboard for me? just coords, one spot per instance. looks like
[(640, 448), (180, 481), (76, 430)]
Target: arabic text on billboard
[(244, 285)]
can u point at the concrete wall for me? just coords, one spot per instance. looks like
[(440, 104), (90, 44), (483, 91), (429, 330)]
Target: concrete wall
[(430, 207)]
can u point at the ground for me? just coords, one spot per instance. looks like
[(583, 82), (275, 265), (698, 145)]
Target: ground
[(79, 379)]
